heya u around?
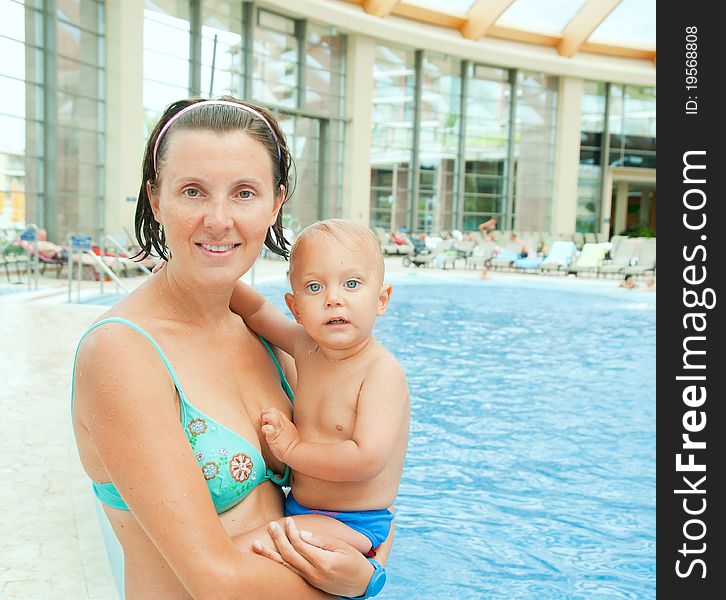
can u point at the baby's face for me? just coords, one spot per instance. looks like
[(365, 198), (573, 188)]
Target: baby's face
[(337, 292)]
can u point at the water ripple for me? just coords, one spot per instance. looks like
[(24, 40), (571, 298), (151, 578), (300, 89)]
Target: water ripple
[(531, 466)]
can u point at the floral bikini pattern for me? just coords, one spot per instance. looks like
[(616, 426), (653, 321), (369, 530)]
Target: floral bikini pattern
[(210, 470), (240, 465), (197, 426)]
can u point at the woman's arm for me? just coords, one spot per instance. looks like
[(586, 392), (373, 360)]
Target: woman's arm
[(126, 401), (264, 318), (323, 562)]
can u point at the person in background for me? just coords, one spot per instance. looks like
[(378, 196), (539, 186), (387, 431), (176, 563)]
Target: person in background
[(489, 225), (419, 243), (628, 283)]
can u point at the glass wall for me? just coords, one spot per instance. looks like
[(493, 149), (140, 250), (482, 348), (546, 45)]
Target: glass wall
[(490, 137), (222, 42), (394, 78), (294, 67), (439, 132), (167, 31), (632, 126), (589, 176), (534, 150), (486, 145), (21, 114), (276, 60), (81, 117), (324, 78), (52, 116)]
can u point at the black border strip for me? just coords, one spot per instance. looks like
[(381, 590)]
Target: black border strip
[(691, 183)]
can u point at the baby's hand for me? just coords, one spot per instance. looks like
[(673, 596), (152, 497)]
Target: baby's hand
[(280, 433)]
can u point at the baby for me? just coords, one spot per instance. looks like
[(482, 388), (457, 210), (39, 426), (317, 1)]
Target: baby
[(347, 446)]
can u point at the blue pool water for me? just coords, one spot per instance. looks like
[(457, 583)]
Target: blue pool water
[(531, 464)]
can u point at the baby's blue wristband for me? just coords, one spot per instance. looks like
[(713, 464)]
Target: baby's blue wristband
[(375, 585)]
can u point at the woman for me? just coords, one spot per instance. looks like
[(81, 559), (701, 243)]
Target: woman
[(215, 177)]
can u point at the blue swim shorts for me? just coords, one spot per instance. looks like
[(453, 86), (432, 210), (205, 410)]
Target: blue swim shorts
[(374, 524)]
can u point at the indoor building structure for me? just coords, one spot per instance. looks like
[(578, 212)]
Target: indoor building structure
[(417, 114)]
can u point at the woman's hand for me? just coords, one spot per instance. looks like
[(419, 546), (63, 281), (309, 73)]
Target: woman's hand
[(326, 563)]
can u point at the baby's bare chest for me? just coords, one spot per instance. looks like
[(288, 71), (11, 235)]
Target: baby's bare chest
[(326, 402)]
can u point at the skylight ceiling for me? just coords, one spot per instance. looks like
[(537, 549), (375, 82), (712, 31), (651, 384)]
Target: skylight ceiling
[(632, 23), (550, 17), (616, 27)]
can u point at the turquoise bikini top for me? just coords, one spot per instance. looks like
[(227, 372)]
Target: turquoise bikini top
[(232, 466)]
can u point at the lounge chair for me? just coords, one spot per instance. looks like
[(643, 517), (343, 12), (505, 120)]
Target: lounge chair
[(646, 259), (48, 254), (615, 242), (442, 255), (18, 261), (464, 248), (481, 255), (558, 258), (504, 259), (388, 247), (589, 261), (622, 256), (508, 252)]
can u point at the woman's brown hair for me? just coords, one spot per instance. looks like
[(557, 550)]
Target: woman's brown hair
[(218, 117)]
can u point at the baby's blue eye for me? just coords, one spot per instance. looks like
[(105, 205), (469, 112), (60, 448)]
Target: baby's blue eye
[(351, 284), (314, 287)]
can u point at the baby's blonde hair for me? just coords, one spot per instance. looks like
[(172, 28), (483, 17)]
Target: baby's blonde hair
[(352, 235)]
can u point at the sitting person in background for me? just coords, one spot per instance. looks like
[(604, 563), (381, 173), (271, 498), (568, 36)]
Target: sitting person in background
[(46, 249), (348, 442), (398, 238), (650, 284), (419, 243), (514, 246), (515, 241)]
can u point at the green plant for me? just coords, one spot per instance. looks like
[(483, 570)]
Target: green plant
[(640, 232)]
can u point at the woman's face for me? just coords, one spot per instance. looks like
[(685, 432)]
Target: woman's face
[(216, 200)]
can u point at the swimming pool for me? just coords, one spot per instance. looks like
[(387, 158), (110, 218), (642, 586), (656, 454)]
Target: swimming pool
[(531, 464)]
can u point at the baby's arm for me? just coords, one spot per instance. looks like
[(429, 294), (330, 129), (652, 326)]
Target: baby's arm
[(265, 319), (381, 408)]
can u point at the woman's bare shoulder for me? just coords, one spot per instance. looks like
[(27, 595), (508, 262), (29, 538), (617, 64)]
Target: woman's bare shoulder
[(117, 359)]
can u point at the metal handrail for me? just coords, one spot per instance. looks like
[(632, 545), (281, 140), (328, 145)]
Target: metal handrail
[(120, 248)]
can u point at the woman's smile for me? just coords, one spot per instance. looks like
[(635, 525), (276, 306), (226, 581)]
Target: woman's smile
[(218, 250)]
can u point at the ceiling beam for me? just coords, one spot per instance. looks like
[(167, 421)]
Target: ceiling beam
[(418, 13), (482, 16), (587, 20), (379, 8)]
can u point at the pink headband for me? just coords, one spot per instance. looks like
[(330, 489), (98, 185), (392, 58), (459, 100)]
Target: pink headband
[(186, 109)]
